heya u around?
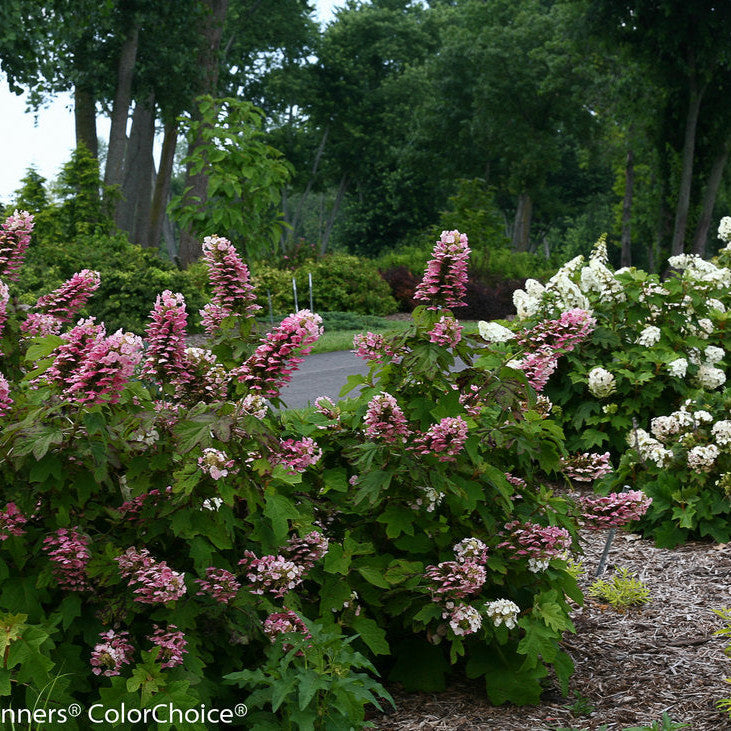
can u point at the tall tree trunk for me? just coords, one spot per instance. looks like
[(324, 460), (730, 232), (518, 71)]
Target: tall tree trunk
[(138, 168), (629, 180), (709, 198), (162, 186), (85, 120), (686, 175), (333, 213), (521, 228), (197, 185), (297, 220), (114, 170)]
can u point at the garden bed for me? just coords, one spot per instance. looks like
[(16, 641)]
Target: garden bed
[(630, 667)]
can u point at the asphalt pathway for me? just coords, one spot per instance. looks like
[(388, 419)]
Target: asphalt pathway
[(323, 374)]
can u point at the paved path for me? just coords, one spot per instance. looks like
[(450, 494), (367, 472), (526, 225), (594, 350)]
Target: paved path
[(323, 374)]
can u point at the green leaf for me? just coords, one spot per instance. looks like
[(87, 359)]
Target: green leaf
[(279, 510), (398, 520), (309, 683), (374, 576), (371, 634)]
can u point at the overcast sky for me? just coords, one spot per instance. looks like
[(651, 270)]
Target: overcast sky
[(45, 140)]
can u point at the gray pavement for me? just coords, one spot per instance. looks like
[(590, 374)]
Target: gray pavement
[(323, 374)]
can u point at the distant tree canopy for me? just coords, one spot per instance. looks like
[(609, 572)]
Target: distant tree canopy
[(579, 116)]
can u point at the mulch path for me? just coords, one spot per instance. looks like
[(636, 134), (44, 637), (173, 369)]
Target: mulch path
[(630, 667)]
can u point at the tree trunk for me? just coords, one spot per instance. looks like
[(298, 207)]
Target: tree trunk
[(85, 120), (709, 198), (686, 175), (521, 228), (303, 198), (138, 168), (114, 170), (197, 185), (333, 213), (629, 180), (162, 186)]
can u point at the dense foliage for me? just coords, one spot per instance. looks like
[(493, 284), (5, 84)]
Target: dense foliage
[(168, 536)]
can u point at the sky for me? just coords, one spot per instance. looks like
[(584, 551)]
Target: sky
[(46, 139)]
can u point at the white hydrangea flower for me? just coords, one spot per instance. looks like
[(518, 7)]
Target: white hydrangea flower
[(596, 277), (649, 449), (601, 382), (710, 377), (649, 336), (525, 305), (599, 251), (503, 611), (570, 268), (515, 363), (678, 368), (706, 327), (683, 417), (694, 356), (702, 417), (536, 565), (463, 619), (724, 229), (663, 427), (714, 304), (534, 288), (568, 293), (714, 354), (721, 431), (702, 457), (430, 501), (494, 332)]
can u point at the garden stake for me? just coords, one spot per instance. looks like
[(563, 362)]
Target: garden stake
[(613, 531), (294, 289), (309, 276), (271, 311)]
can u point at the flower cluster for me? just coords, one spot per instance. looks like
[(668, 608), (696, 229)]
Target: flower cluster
[(252, 405), (154, 581), (219, 584), (271, 365), (306, 551), (464, 619), (649, 336), (65, 302), (470, 549), (429, 499), (445, 439), (724, 229), (385, 420), (649, 449), (5, 401), (275, 575), (503, 611), (445, 279), (205, 379), (538, 366), (14, 241), (4, 299), (38, 324), (216, 463), (561, 335), (108, 656), (455, 579), (233, 293), (701, 458), (374, 347), (678, 367), (68, 550), (11, 522), (131, 509), (297, 455), (616, 509), (710, 377), (447, 332), (601, 382), (165, 357), (586, 467), (494, 332), (539, 544), (172, 644), (281, 623)]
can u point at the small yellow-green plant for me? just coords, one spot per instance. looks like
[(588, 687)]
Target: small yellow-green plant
[(575, 568), (725, 614), (621, 591)]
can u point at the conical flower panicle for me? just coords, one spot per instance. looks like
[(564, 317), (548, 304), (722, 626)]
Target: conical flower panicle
[(165, 360), (445, 279), (14, 241)]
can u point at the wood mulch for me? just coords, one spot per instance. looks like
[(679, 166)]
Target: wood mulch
[(630, 667)]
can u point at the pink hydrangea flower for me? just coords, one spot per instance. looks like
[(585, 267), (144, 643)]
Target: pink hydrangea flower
[(470, 549), (172, 644), (306, 551), (374, 347), (586, 467), (205, 379), (539, 366), (272, 363), (39, 324), (447, 332), (165, 357), (219, 584), (233, 293), (65, 302), (384, 419), (615, 509), (131, 509), (272, 574), (108, 656), (153, 582), (14, 241), (216, 463), (455, 579), (5, 401), (297, 456), (561, 335), (539, 544), (11, 522), (445, 279), (445, 439), (4, 299), (67, 549), (281, 623)]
